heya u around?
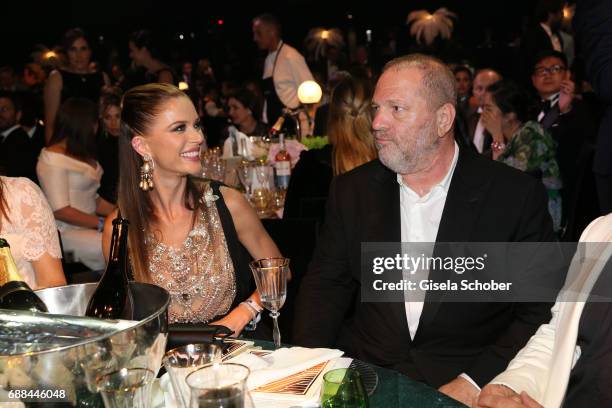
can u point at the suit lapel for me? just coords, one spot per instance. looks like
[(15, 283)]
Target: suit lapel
[(461, 210), (384, 225)]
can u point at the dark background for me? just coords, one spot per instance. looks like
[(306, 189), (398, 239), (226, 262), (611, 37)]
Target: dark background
[(482, 33)]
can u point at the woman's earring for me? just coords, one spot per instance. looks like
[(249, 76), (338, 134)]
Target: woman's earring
[(146, 173)]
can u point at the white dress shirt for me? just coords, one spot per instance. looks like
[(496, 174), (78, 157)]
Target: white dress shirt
[(7, 132), (420, 219), (554, 100), (554, 39), (290, 71), (478, 139)]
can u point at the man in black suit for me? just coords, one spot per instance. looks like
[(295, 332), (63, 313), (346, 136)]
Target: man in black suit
[(17, 156), (572, 126), (542, 34), (593, 25), (423, 188)]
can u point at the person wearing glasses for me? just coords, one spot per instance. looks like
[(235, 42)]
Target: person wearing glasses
[(571, 125)]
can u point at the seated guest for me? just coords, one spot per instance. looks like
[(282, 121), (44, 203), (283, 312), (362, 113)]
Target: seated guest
[(566, 362), (401, 198), (108, 147), (351, 145), (186, 234), (566, 117), (17, 152), (521, 143), (27, 223), (70, 177), (243, 109), (478, 135), (463, 75)]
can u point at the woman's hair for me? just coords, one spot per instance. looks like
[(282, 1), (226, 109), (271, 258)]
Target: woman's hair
[(71, 36), (145, 39), (249, 100), (140, 107), (76, 123), (349, 125), (510, 97), (110, 97)]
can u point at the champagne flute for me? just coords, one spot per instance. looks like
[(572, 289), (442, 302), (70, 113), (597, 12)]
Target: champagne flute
[(220, 385), (127, 388), (244, 174), (271, 279)]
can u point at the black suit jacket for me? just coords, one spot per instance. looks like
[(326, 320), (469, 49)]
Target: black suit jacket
[(486, 201), (593, 25), (18, 155)]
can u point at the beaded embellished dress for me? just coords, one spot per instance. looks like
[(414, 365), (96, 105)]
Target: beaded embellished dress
[(200, 275)]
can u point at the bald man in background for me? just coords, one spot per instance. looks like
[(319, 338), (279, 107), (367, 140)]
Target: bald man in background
[(481, 139)]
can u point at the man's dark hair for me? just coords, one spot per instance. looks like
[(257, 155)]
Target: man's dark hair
[(510, 97), (546, 7), (550, 54), (463, 68), (270, 19), (13, 97)]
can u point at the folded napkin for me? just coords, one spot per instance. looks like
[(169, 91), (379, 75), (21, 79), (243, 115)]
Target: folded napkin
[(283, 363), (293, 147), (239, 144)]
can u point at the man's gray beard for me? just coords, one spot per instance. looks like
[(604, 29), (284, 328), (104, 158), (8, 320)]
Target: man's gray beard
[(412, 162)]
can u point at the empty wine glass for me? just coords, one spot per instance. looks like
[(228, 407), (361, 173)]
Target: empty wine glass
[(182, 361), (127, 388), (244, 174), (271, 279)]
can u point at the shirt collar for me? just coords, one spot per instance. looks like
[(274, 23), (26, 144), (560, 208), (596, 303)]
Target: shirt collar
[(547, 29), (443, 184), (8, 131)]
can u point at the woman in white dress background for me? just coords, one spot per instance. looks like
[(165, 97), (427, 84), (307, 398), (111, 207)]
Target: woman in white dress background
[(70, 177), (27, 223)]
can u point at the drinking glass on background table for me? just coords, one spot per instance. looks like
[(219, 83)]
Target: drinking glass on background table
[(271, 279), (127, 388), (244, 174), (220, 386), (343, 388), (182, 361), (262, 188)]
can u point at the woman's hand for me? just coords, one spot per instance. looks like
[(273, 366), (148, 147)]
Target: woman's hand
[(236, 319), (492, 120)]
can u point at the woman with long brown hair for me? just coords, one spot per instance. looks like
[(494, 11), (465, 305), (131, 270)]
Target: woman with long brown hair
[(187, 235)]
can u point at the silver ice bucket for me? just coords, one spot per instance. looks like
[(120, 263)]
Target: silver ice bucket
[(62, 357)]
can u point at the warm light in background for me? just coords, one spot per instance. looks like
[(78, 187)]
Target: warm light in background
[(50, 54), (183, 86), (324, 34), (309, 92)]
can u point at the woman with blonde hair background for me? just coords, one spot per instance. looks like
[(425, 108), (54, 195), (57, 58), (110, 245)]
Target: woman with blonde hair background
[(351, 145)]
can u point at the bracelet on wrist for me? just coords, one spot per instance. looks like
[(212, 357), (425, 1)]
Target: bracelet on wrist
[(498, 146), (100, 224), (251, 310)]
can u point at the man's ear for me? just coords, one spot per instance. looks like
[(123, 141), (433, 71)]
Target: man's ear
[(445, 117), (140, 145)]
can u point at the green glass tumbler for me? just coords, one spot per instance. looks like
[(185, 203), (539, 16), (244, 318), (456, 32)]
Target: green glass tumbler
[(343, 388)]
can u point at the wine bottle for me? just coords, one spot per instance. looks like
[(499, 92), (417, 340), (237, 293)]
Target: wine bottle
[(112, 298), (278, 125), (282, 165), (15, 293)]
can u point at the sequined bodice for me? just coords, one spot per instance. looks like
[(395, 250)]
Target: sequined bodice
[(199, 275)]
